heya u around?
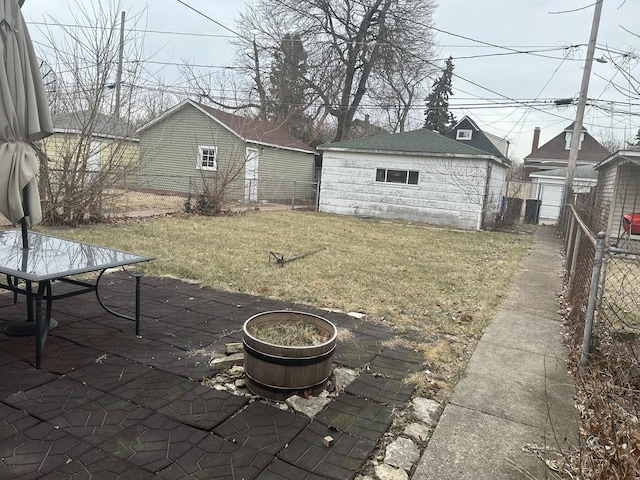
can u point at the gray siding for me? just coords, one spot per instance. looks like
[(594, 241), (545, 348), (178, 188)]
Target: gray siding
[(605, 194), (627, 194), (278, 168), (169, 155), (449, 192), (169, 151)]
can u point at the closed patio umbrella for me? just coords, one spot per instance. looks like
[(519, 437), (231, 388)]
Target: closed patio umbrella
[(24, 117)]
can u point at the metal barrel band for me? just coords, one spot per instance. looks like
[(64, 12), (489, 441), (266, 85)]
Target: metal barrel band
[(287, 361), (276, 389)]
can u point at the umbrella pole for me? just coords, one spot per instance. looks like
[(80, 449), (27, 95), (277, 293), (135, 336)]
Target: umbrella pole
[(25, 235), (23, 222)]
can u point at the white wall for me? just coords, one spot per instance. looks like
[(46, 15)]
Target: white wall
[(449, 191), (551, 191)]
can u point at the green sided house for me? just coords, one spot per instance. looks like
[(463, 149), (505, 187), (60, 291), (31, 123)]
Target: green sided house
[(419, 176), (193, 147)]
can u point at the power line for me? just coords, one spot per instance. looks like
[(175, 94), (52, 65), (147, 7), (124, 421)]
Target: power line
[(131, 30), (209, 18)]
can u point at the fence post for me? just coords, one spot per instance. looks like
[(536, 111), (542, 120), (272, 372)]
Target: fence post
[(293, 199), (593, 295), (318, 196), (574, 258), (568, 228)]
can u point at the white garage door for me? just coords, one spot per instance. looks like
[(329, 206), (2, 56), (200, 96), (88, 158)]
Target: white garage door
[(551, 196)]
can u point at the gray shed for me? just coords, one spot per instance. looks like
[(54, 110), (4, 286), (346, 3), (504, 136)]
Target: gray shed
[(194, 146), (618, 192)]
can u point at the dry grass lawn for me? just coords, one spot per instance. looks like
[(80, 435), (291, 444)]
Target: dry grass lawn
[(438, 287)]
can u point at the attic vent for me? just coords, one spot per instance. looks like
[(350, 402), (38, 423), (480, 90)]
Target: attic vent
[(567, 140), (463, 134)]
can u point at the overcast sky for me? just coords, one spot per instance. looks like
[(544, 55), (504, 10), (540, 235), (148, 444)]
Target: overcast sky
[(486, 75)]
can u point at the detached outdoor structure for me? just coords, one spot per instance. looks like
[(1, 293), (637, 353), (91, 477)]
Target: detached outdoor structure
[(548, 187), (419, 176), (193, 147), (555, 153), (618, 194)]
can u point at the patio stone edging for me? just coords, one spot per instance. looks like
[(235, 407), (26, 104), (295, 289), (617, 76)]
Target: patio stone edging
[(401, 453)]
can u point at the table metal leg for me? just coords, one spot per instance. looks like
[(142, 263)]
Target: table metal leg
[(135, 318), (138, 305), (28, 327), (42, 324)]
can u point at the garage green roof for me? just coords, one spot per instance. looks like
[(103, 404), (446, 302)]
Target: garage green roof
[(416, 141)]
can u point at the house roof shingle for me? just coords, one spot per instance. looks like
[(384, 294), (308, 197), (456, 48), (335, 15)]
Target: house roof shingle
[(478, 139), (251, 130), (419, 141), (257, 131), (555, 149), (582, 171), (103, 125)]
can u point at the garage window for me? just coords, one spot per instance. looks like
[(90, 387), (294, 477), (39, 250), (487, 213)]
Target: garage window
[(388, 175)]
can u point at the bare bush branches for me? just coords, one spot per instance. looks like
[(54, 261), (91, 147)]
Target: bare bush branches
[(93, 149)]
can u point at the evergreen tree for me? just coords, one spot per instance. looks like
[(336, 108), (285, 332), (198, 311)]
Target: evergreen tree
[(288, 92), (437, 115)]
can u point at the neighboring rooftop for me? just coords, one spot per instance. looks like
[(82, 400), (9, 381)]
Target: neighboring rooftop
[(249, 129), (591, 151), (582, 171), (84, 120), (468, 132), (421, 141)]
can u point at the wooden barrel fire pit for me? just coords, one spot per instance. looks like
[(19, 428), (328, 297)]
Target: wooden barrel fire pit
[(276, 370)]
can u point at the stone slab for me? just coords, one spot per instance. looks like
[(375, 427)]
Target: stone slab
[(466, 445), (340, 461), (54, 398), (518, 385), (20, 376), (109, 372), (155, 389), (154, 443), (279, 470), (37, 450), (204, 407), (216, 458), (100, 419), (387, 391), (391, 367), (262, 427), (96, 464), (357, 416)]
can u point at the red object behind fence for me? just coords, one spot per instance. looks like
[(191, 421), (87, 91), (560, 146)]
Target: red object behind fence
[(631, 223)]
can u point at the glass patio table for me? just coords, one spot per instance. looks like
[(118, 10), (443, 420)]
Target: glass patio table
[(49, 259)]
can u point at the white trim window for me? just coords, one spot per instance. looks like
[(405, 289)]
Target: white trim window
[(406, 177), (463, 134), (207, 158)]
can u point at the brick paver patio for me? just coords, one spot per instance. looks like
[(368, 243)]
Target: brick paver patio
[(113, 405)]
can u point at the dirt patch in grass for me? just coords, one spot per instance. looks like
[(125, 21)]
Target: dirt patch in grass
[(437, 288)]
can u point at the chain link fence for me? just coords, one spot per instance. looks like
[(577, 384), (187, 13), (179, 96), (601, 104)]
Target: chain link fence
[(602, 305), (141, 195)]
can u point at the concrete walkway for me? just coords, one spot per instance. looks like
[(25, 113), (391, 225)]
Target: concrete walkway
[(516, 398)]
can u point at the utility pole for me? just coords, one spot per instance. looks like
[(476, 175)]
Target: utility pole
[(582, 101), (116, 112)]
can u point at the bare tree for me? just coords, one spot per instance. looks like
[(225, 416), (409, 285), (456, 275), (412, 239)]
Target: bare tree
[(93, 150), (611, 143), (348, 43)]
